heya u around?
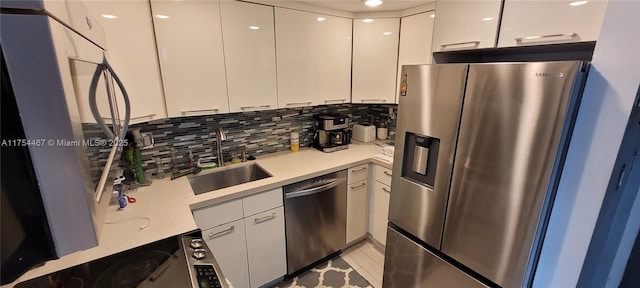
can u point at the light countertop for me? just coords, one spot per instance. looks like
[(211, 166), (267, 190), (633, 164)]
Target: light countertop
[(164, 209)]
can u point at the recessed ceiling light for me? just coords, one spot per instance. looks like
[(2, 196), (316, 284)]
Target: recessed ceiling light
[(487, 19), (433, 15), (254, 27), (373, 3), (386, 33), (109, 16), (367, 20), (162, 16), (320, 19), (578, 3)]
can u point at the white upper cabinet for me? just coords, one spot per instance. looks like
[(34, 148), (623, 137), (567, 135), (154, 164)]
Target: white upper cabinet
[(375, 60), (527, 23), (314, 58), (250, 56), (416, 33), (466, 24), (189, 42), (132, 54)]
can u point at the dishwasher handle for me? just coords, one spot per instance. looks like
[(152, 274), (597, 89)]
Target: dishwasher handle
[(316, 190)]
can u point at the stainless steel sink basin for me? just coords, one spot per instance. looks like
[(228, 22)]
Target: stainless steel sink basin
[(227, 177)]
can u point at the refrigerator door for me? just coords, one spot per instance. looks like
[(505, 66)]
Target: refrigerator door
[(508, 149), (407, 264), (428, 117)]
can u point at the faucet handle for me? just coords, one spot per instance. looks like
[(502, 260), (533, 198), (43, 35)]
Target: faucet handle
[(244, 154)]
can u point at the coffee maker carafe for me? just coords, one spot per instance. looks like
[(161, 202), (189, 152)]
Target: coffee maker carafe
[(331, 132)]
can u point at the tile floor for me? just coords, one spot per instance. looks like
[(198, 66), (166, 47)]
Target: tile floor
[(366, 260)]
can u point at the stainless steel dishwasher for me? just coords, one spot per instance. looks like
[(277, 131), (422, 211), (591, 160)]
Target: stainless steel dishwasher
[(316, 219)]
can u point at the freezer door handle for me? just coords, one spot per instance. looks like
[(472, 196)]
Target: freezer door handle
[(315, 190)]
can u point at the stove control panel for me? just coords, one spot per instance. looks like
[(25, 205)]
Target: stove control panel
[(203, 269)]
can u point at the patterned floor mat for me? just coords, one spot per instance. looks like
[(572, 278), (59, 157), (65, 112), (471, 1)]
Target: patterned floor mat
[(335, 273)]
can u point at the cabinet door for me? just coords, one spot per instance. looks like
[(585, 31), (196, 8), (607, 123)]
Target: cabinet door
[(381, 195), (314, 58), (227, 242), (375, 60), (189, 42), (356, 210), (132, 54), (250, 56), (266, 246), (416, 33), (550, 22), (466, 24)]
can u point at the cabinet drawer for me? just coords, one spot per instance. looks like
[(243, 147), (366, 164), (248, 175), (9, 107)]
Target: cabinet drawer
[(382, 175), (218, 214), (262, 201), (357, 173), (227, 243)]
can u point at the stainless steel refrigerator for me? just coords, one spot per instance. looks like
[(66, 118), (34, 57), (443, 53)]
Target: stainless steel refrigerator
[(479, 150)]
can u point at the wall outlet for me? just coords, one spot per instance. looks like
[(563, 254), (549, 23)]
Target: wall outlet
[(147, 140)]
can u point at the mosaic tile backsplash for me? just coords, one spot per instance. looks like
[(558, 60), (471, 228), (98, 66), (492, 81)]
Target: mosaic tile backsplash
[(259, 132)]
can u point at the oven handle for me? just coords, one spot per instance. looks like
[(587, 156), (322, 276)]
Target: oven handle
[(315, 190)]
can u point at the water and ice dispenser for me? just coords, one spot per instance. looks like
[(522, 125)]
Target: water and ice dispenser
[(420, 158)]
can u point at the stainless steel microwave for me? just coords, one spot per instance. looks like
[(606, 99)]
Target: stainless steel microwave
[(53, 193)]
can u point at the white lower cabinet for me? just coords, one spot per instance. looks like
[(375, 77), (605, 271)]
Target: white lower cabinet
[(357, 202), (380, 203), (227, 242), (251, 248), (266, 246), (356, 210), (381, 195)]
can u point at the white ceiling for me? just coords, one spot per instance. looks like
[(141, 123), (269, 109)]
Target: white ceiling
[(358, 5)]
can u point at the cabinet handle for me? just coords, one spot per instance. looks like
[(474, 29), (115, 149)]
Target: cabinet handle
[(374, 100), (538, 37), (387, 173), (265, 218), (335, 100), (213, 235), (300, 103), (355, 187), (475, 44), (146, 116), (132, 118), (254, 107), (361, 169), (386, 190), (214, 110)]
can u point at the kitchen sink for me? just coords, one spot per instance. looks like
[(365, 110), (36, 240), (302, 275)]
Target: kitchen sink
[(226, 177)]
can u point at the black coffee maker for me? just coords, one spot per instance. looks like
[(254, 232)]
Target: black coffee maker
[(332, 132)]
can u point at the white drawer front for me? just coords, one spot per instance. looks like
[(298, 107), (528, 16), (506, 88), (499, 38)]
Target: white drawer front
[(358, 173), (262, 202), (383, 175), (218, 214)]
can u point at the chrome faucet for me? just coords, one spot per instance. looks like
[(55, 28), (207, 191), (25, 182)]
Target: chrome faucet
[(220, 136)]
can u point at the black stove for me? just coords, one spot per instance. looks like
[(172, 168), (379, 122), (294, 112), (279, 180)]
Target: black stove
[(178, 261)]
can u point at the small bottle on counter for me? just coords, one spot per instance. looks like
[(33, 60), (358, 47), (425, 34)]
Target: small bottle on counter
[(295, 141)]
